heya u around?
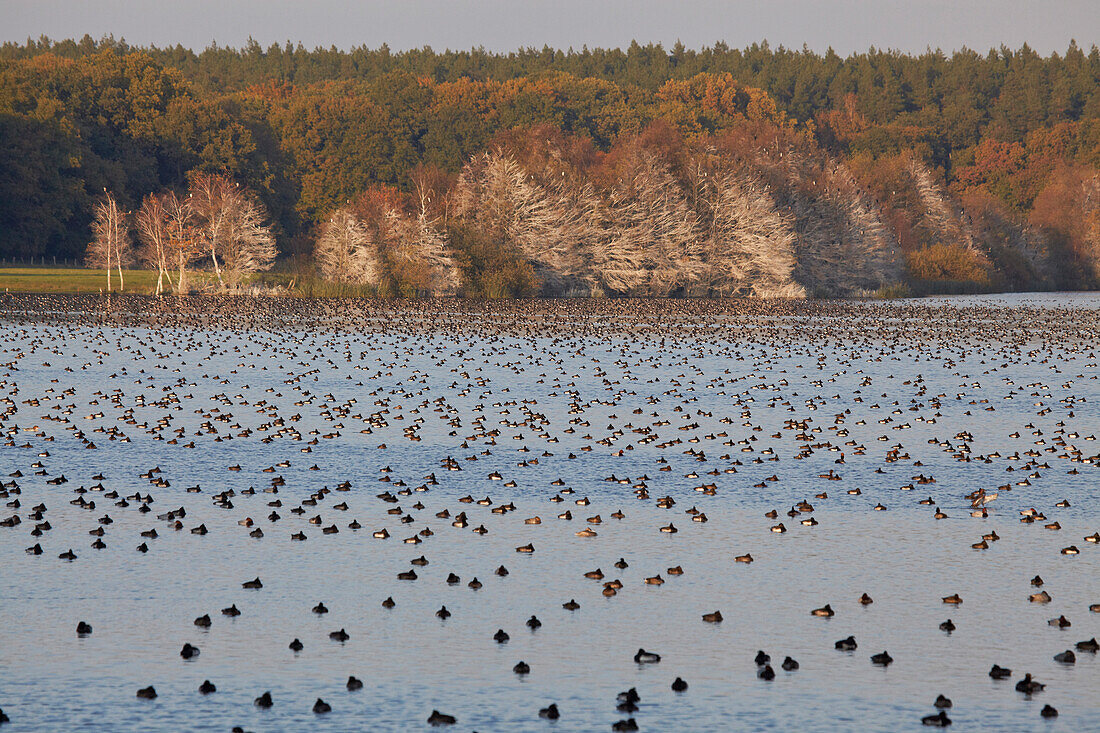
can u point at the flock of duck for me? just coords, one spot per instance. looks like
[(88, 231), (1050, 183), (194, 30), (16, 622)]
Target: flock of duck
[(438, 423)]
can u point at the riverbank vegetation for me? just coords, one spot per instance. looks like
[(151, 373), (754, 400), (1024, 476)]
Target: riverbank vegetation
[(640, 172)]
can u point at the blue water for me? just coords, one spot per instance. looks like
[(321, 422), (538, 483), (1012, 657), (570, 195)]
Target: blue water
[(730, 376)]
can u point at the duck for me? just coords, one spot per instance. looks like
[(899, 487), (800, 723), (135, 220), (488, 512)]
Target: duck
[(998, 672), (437, 718), (939, 720), (533, 622), (1048, 711), (762, 658), (1091, 645), (340, 636), (1066, 657), (207, 688), (296, 645), (865, 600), (321, 707), (550, 712), (644, 657), (947, 626), (522, 668), (713, 618), (254, 584), (147, 693), (789, 664), (942, 702), (766, 672), (354, 683), (263, 701), (846, 645), (953, 599), (83, 628), (746, 558), (678, 685), (501, 636), (625, 725), (571, 605), (825, 611), (189, 651), (231, 611), (1029, 686), (883, 659)]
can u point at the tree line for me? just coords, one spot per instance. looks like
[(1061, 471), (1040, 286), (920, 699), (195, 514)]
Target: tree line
[(971, 169)]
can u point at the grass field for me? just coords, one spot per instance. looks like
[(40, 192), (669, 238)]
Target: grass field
[(76, 280)]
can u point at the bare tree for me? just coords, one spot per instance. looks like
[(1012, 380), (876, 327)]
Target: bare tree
[(231, 220), (344, 251), (110, 245), (183, 243), (152, 226), (652, 248)]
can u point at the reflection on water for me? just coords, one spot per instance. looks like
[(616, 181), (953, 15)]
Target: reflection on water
[(733, 413)]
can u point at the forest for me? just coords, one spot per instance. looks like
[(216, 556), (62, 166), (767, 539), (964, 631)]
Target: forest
[(639, 172)]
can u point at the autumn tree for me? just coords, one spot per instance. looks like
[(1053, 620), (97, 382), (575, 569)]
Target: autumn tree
[(111, 245), (231, 220), (344, 251)]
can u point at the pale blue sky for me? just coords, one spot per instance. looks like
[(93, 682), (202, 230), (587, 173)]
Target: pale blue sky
[(503, 25)]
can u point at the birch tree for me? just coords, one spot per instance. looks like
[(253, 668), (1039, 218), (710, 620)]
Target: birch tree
[(233, 230), (110, 245), (151, 222)]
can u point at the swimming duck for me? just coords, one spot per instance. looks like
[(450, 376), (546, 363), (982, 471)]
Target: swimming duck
[(789, 664), (746, 558), (550, 712), (825, 611), (438, 718), (571, 605), (1028, 686), (644, 657), (939, 720), (1066, 657), (954, 599), (321, 707), (320, 608), (263, 701), (762, 658), (678, 685), (942, 702), (297, 645), (522, 668), (884, 659), (947, 626), (1048, 712), (998, 672), (1090, 645), (713, 618), (1041, 597), (189, 652), (1061, 622), (865, 600), (846, 645), (253, 584), (766, 672), (625, 725), (207, 687), (147, 693), (389, 602), (231, 611), (533, 622), (501, 636), (83, 628), (340, 636), (354, 683)]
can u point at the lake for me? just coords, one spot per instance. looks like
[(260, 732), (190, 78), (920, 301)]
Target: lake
[(306, 417)]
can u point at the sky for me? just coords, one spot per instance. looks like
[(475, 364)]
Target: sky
[(847, 26)]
